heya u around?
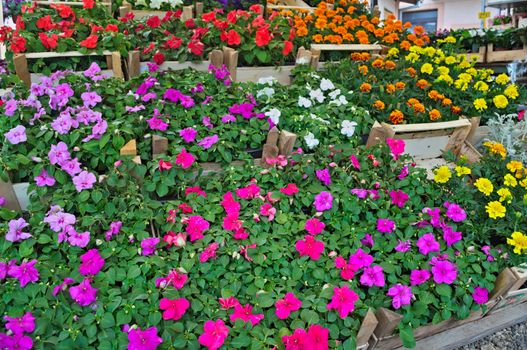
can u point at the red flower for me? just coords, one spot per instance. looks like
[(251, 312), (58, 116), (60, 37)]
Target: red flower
[(18, 44), (196, 47), (233, 38), (63, 11), (88, 4), (208, 17), (159, 58), (232, 17), (259, 22), (263, 37), (49, 43), (292, 34), (190, 24), (288, 47), (95, 28), (20, 23), (173, 42), (129, 16), (112, 28), (90, 42), (149, 48), (153, 22), (45, 23)]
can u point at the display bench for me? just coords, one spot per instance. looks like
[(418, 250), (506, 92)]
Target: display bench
[(494, 55), (188, 11)]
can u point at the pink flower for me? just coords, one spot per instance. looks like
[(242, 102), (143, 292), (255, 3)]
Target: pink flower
[(385, 225), (285, 306), (268, 210), (58, 220), (227, 303), (173, 309), (355, 162), (245, 314), (248, 192), (208, 141), (403, 246), (360, 259), (428, 244), (314, 226), (115, 228), (209, 252), (185, 159), (310, 247), (91, 263), (164, 165), (450, 236), (76, 239), (399, 198), (343, 301), (455, 212), (84, 181), (44, 179), (317, 338), (403, 173), (84, 294), (195, 189), (25, 273), (59, 153), (16, 341), (143, 340), (214, 335), (157, 124), (323, 201), (401, 295), (177, 279), (372, 276), (444, 272), (24, 324), (367, 240), (229, 204), (14, 233), (418, 277), (324, 176), (289, 190), (188, 134), (480, 295), (196, 225), (62, 286), (396, 147), (16, 135), (148, 245), (295, 341)]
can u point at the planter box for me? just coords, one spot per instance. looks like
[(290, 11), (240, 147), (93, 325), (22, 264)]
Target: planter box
[(188, 11), (502, 26), (505, 56), (481, 54), (253, 74), (290, 5)]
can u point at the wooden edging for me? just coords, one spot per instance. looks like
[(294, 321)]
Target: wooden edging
[(188, 11), (505, 56)]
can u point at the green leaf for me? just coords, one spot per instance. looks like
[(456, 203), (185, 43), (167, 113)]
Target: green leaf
[(309, 316), (407, 337), (133, 272), (240, 342), (107, 321), (444, 290)]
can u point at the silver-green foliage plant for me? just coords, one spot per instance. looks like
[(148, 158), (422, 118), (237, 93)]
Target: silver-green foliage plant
[(511, 133)]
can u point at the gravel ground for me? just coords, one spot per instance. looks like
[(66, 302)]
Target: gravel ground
[(512, 338)]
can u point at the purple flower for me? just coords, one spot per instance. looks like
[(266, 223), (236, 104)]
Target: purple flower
[(360, 192), (18, 325), (72, 166), (152, 67), (84, 294), (59, 153), (77, 239), (206, 122), (360, 259), (385, 225), (323, 201), (444, 272), (228, 118), (401, 295), (148, 245), (3, 201), (372, 276), (16, 135), (208, 141), (144, 340), (187, 101), (243, 109), (62, 124), (418, 277), (115, 228), (147, 84), (149, 96), (368, 240), (435, 215), (188, 134), (44, 179), (403, 246), (92, 71), (157, 124), (450, 236), (403, 173), (207, 100), (134, 108), (58, 220), (324, 176), (91, 263), (198, 88), (14, 233), (84, 181), (428, 244), (10, 107), (172, 95), (455, 212), (24, 273), (399, 198), (480, 295), (62, 286), (17, 341), (90, 99)]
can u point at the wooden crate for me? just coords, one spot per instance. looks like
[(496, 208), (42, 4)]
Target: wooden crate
[(505, 56), (290, 5), (188, 11), (21, 66), (481, 55)]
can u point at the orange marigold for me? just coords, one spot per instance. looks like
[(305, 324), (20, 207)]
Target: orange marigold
[(318, 38), (389, 65), (447, 102), (456, 109), (433, 94), (411, 71), (400, 85), (422, 84), (365, 87), (396, 117), (379, 105), (378, 63), (363, 69), (390, 88), (434, 114), (405, 45)]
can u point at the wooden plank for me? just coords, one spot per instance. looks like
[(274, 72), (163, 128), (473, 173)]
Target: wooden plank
[(199, 9), (159, 145), (457, 139), (188, 13), (368, 325), (505, 56), (7, 191), (65, 54), (388, 321), (504, 282), (124, 10), (379, 133), (134, 64), (286, 142), (269, 152), (117, 65), (216, 58), (140, 14), (253, 74), (347, 47), (21, 68), (470, 152), (303, 56), (430, 126), (272, 136), (230, 59), (130, 149)]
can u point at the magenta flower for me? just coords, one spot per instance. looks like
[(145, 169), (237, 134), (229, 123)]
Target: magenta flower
[(360, 259), (401, 295), (385, 225), (368, 240), (403, 246), (403, 173), (208, 141), (91, 263), (323, 201), (84, 181), (214, 335), (249, 192), (185, 159), (196, 225), (172, 95), (418, 277), (444, 272), (187, 101), (143, 340), (450, 236), (17, 341), (157, 124), (455, 212), (285, 306), (355, 162), (173, 309), (209, 252), (317, 338), (427, 244), (310, 247), (148, 245), (314, 226), (84, 294), (396, 147), (188, 134), (59, 153), (115, 228), (175, 278), (14, 233), (480, 295), (324, 176), (25, 273), (295, 341), (343, 301), (62, 286), (372, 276), (399, 198), (228, 303), (44, 179), (18, 325), (245, 313), (16, 135), (78, 239), (228, 118)]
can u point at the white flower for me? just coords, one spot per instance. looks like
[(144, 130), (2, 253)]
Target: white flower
[(323, 121), (304, 102), (155, 4), (267, 80), (274, 114), (326, 84), (302, 60), (317, 95), (348, 128), (334, 94), (266, 91), (340, 101), (311, 141)]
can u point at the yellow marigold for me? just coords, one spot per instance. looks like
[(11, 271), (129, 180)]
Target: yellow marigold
[(379, 105), (511, 92), (481, 86), (472, 71), (429, 51), (523, 183), (502, 79), (396, 117), (484, 186), (450, 40), (510, 181), (496, 148), (495, 210), (434, 114), (442, 174), (464, 64), (480, 104), (467, 78), (461, 85), (393, 52), (514, 166), (427, 68), (519, 241), (462, 170), (500, 101), (446, 78), (363, 69), (442, 70), (412, 57), (505, 195), (450, 60)]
